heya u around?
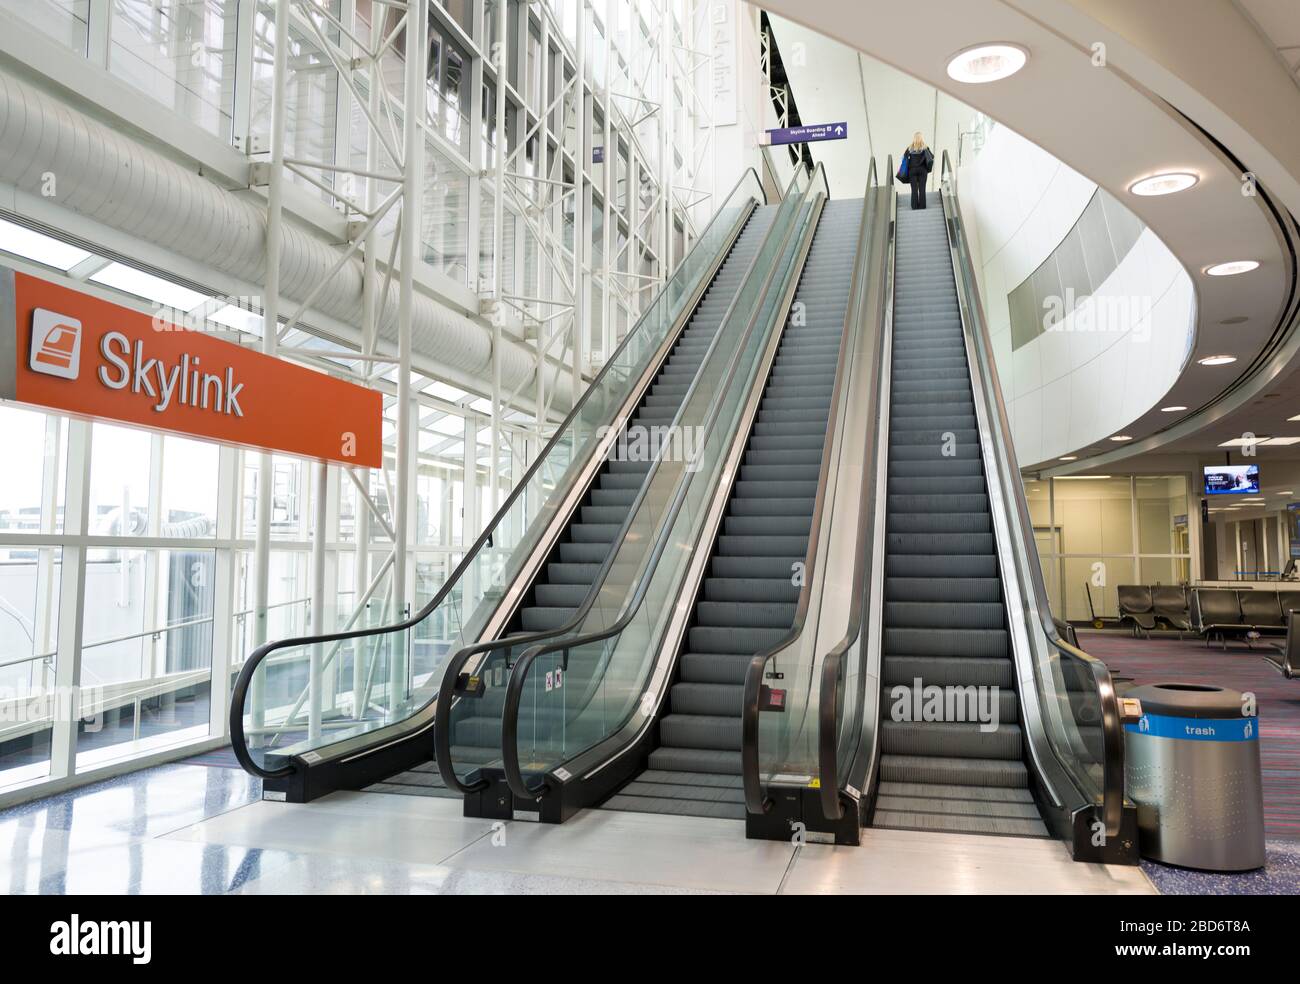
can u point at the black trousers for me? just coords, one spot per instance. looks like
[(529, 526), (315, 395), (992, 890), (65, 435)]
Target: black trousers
[(918, 191)]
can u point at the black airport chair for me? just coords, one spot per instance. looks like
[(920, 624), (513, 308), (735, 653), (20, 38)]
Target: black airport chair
[(1135, 606), (1284, 656), (1217, 611), (1169, 605), (1261, 611)]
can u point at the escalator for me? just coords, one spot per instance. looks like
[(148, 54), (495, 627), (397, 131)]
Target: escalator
[(953, 702), (585, 711), (571, 572), (944, 618), (355, 708), (748, 599)]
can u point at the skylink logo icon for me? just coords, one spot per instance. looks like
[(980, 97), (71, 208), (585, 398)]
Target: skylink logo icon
[(102, 939), (56, 344)]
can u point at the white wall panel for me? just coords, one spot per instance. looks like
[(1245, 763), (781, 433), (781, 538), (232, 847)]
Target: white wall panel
[(1077, 385)]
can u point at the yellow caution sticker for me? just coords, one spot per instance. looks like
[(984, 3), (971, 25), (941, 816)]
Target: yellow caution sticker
[(815, 784)]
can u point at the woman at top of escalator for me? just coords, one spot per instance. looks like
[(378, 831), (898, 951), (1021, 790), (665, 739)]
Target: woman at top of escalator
[(920, 162)]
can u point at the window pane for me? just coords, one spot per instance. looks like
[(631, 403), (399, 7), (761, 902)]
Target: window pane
[(181, 53), (189, 488), (29, 593), (119, 481), (63, 20), (1162, 515), (1095, 516), (1098, 577), (147, 658), (312, 92), (31, 493)]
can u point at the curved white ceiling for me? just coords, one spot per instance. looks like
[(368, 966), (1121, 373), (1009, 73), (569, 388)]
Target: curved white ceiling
[(1110, 124)]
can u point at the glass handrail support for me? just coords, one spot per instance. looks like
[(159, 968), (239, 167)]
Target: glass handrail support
[(363, 692), (849, 678), (1072, 717), (779, 738), (476, 669), (580, 702)]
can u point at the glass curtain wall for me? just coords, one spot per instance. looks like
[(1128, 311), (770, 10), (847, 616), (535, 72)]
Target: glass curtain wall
[(1095, 534), (127, 556)]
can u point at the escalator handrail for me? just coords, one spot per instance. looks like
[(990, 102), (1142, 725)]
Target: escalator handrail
[(243, 681), (519, 674), (1111, 718), (451, 673), (755, 800), (828, 720)]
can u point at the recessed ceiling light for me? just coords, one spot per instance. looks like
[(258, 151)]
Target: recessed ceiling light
[(1121, 437), (1164, 184), (1068, 457), (987, 63), (1232, 268), (1277, 442), (1171, 409), (1081, 478), (1217, 360), (1286, 492)]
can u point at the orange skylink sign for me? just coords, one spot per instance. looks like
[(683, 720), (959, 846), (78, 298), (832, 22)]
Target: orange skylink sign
[(65, 350)]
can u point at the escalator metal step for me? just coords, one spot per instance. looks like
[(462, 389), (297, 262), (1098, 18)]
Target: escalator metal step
[(960, 766)]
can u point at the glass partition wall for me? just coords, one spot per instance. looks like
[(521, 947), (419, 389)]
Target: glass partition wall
[(1096, 533)]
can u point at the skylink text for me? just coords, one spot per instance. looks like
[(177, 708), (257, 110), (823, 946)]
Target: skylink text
[(182, 383)]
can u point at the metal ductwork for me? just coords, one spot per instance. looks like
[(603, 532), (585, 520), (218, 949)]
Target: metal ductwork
[(128, 186)]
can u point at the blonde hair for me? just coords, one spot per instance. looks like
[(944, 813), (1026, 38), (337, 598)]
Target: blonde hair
[(918, 141)]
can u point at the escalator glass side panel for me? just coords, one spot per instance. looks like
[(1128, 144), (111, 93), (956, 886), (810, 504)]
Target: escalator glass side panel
[(585, 693), (747, 602), (301, 697), (563, 585)]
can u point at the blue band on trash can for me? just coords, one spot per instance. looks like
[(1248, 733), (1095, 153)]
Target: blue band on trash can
[(1196, 729)]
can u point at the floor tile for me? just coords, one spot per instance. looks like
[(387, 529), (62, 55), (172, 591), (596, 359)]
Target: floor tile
[(638, 849), (367, 825), (918, 862)]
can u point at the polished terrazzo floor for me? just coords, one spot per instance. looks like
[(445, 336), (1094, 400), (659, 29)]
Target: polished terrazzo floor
[(191, 829)]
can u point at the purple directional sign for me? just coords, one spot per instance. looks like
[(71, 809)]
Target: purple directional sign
[(808, 134)]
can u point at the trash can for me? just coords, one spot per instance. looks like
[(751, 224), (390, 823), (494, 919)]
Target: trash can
[(1191, 764)]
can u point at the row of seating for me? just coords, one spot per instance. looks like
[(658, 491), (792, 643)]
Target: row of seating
[(1220, 611), (1245, 612), (1147, 606)]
